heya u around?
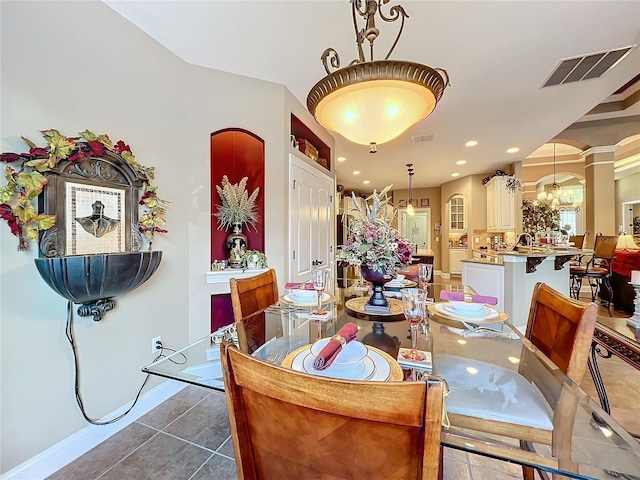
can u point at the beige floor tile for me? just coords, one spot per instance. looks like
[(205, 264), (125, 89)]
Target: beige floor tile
[(162, 458), (217, 468), (171, 409), (456, 470)]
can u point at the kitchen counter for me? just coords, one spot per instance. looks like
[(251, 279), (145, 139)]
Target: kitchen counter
[(511, 276)]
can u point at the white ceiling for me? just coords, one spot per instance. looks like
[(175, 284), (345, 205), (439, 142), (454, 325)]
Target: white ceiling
[(497, 54)]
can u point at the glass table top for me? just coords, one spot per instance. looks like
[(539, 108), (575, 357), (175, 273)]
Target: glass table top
[(599, 445)]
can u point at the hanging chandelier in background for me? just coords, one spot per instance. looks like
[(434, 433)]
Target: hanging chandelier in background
[(410, 210), (555, 188), (372, 102)]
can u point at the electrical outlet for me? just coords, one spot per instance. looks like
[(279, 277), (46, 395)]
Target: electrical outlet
[(154, 344)]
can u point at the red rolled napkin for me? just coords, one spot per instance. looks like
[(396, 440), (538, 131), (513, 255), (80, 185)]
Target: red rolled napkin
[(460, 296), (299, 286), (331, 350)]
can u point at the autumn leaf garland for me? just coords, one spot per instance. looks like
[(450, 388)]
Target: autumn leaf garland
[(27, 181)]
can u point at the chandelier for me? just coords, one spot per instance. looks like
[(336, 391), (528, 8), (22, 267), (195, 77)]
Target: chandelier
[(372, 102), (555, 188)]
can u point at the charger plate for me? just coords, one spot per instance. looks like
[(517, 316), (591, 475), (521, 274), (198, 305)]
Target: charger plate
[(289, 299), (387, 369), (356, 308), (492, 316)]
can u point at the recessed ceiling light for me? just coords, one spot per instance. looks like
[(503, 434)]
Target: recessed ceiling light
[(455, 174), (356, 172), (513, 150), (471, 143), (341, 159), (366, 182), (461, 162)]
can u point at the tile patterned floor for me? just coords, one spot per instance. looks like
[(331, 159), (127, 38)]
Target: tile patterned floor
[(187, 437)]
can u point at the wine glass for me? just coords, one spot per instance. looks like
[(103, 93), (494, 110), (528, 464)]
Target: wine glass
[(413, 305), (424, 274), (319, 277)]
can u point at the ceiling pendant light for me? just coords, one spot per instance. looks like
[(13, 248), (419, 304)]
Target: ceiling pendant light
[(554, 188), (372, 102), (410, 210)]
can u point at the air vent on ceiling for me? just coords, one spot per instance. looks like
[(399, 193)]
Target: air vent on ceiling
[(422, 138), (593, 65)]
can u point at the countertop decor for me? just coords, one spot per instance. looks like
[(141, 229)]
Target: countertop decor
[(27, 175)]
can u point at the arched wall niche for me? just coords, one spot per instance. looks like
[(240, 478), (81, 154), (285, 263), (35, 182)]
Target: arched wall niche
[(236, 153)]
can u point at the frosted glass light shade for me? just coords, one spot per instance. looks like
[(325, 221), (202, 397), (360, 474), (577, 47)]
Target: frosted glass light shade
[(374, 102), (375, 111)]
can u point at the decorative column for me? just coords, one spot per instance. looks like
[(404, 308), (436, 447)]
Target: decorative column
[(599, 190)]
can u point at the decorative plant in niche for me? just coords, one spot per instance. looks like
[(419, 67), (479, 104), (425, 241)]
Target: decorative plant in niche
[(539, 216), (26, 180), (238, 207), (253, 259)]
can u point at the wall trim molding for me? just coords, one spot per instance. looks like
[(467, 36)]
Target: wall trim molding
[(67, 450), (601, 149)]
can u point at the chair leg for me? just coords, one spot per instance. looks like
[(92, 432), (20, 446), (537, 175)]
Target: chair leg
[(606, 283)]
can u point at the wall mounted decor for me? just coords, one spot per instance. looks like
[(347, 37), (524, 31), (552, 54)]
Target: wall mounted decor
[(96, 211)]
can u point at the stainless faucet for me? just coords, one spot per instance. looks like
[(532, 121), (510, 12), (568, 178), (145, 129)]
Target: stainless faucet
[(529, 239)]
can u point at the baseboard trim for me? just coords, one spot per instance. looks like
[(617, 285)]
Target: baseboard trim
[(64, 452)]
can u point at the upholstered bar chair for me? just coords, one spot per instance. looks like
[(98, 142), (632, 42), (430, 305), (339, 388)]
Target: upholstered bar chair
[(596, 270), (291, 425), (497, 399)]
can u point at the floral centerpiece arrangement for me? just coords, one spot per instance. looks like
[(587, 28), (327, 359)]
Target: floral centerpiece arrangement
[(238, 207), (373, 243), (26, 180), (539, 216)]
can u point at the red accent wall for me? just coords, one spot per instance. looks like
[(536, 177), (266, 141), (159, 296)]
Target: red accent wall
[(235, 153)]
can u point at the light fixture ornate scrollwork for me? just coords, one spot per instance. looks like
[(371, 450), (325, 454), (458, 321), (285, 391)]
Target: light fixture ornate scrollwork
[(372, 102)]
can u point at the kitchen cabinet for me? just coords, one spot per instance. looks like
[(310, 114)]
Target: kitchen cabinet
[(457, 214), (500, 206), (456, 255)]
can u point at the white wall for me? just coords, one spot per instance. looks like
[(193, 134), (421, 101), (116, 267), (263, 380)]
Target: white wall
[(77, 65)]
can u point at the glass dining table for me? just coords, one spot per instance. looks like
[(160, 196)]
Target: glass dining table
[(599, 448)]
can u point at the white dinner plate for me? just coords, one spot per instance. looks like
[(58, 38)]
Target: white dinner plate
[(290, 298), (487, 313), (359, 371), (381, 373), (352, 352)]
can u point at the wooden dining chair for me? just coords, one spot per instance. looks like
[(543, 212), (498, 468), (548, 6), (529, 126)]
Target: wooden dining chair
[(291, 425), (250, 295), (578, 240), (518, 404)]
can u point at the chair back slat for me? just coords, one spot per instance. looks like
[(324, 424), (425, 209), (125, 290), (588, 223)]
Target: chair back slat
[(287, 424), (562, 329), (250, 295)]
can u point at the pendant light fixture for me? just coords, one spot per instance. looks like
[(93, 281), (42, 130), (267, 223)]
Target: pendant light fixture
[(372, 102), (554, 188), (410, 210)]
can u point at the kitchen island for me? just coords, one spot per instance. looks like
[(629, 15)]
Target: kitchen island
[(511, 275)]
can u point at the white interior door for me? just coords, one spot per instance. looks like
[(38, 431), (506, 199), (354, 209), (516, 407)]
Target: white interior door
[(311, 220), (416, 228)]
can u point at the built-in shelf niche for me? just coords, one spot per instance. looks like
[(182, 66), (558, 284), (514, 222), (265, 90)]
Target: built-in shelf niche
[(300, 130)]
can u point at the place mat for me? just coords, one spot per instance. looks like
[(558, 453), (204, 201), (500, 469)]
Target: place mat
[(326, 298), (433, 308), (396, 374), (356, 307)]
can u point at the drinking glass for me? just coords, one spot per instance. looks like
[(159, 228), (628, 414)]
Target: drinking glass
[(424, 274), (319, 277), (413, 305)]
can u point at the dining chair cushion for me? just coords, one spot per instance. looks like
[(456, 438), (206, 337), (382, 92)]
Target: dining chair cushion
[(488, 391)]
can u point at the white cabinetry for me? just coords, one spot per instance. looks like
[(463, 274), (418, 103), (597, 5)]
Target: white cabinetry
[(456, 214), (500, 206), (456, 255)]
